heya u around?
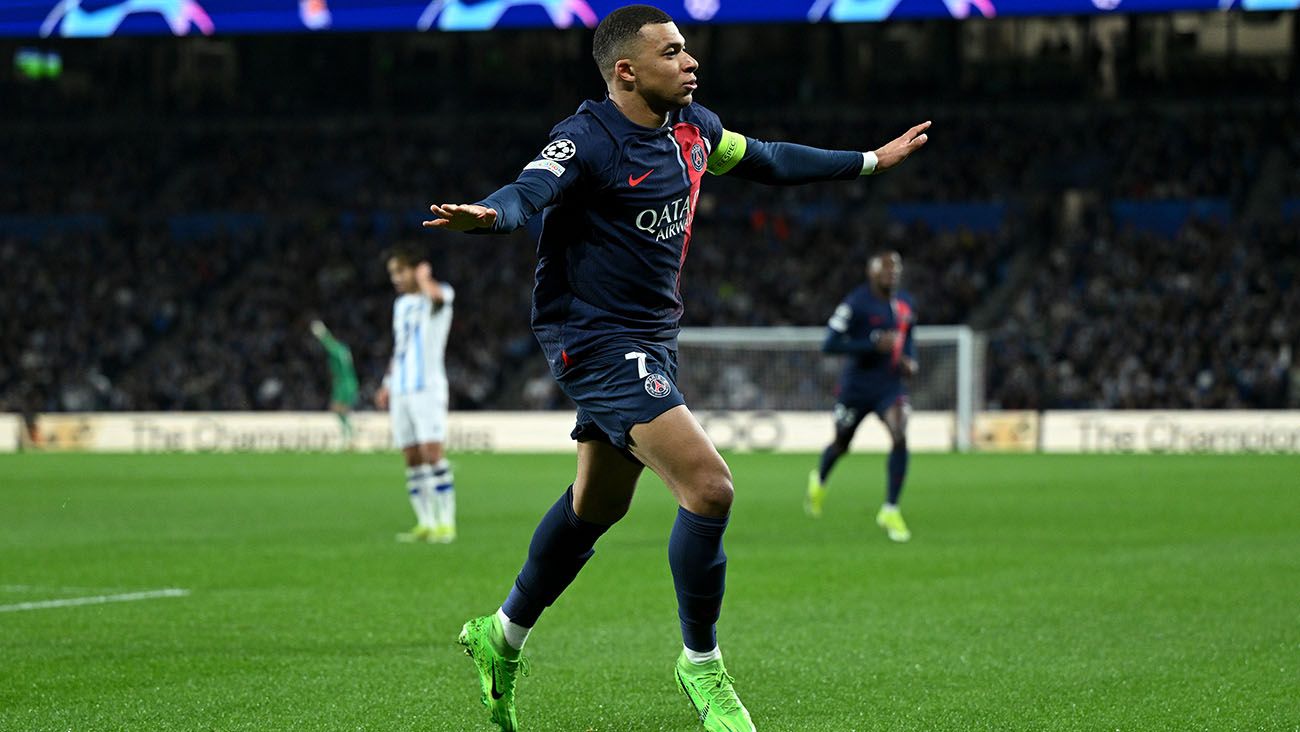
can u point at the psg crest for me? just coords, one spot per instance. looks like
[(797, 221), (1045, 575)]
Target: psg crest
[(657, 386), (697, 157)]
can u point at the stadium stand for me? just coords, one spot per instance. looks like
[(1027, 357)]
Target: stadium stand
[(174, 264)]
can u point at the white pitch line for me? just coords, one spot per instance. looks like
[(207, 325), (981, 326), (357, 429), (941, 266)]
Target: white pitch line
[(53, 588), (94, 600)]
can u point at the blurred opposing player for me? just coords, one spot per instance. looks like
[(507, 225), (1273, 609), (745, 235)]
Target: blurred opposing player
[(343, 378), (415, 394), (619, 181), (873, 326)]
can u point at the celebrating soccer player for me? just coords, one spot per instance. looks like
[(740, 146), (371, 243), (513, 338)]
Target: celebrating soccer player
[(619, 183), (873, 326), (415, 394)]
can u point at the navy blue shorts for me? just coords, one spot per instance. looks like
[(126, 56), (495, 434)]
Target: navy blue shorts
[(854, 405), (619, 389)]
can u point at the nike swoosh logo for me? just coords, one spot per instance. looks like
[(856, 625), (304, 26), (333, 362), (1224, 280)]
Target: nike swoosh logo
[(496, 695), (634, 182)]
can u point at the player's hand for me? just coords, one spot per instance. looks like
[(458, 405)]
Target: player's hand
[(885, 342), (461, 217), (898, 150), (908, 367), (381, 397), (423, 272)]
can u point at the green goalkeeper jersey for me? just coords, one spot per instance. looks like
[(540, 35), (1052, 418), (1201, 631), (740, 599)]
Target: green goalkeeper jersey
[(343, 375)]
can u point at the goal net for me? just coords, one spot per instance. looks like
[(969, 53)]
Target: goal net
[(783, 369)]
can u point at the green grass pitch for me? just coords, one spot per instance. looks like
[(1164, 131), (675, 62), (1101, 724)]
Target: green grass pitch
[(1039, 593)]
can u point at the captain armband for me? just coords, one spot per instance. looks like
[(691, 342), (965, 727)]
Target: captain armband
[(729, 152)]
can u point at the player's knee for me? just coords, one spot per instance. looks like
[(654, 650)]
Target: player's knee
[(900, 440), (714, 493)]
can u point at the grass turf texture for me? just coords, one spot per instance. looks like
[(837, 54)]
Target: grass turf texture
[(1039, 593)]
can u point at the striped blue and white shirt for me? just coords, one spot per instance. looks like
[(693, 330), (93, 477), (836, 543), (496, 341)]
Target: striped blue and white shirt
[(420, 329)]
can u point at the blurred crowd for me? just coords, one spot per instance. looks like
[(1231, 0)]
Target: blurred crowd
[(1126, 320), (187, 259)]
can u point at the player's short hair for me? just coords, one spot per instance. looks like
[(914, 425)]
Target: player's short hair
[(882, 254), (619, 30), (405, 256)]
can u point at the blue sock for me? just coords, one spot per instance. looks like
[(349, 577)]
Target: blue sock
[(700, 575), (830, 456), (561, 545), (897, 471)]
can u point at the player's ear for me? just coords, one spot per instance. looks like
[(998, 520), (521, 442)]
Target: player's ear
[(623, 71)]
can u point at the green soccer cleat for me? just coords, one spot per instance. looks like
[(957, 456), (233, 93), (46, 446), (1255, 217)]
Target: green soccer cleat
[(709, 687), (812, 503), (497, 673), (418, 535), (891, 520), (443, 535)]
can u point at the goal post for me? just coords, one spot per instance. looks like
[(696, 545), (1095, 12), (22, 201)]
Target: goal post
[(782, 368)]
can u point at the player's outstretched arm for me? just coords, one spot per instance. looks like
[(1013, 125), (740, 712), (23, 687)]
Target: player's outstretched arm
[(787, 163), (559, 166), (505, 210)]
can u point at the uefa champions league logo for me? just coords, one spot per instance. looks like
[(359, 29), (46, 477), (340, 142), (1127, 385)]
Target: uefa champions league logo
[(69, 20), (847, 11), (461, 15), (560, 150)]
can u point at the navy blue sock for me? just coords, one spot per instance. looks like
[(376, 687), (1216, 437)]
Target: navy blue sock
[(830, 456), (561, 545), (700, 575), (897, 472)]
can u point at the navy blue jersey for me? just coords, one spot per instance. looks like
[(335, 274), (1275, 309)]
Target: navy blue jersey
[(619, 200), (854, 328)]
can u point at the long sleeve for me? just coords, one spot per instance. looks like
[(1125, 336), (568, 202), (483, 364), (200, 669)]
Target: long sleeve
[(578, 157), (786, 163), (519, 201)]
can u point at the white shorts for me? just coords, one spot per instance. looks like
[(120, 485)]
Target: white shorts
[(418, 417)]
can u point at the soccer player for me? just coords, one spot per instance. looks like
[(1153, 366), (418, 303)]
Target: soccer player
[(415, 394), (873, 326), (343, 378), (619, 182)]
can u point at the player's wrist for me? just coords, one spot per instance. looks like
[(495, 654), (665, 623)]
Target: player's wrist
[(870, 161)]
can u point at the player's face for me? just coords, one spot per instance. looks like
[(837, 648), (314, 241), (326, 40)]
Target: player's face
[(402, 276), (886, 272), (665, 72)]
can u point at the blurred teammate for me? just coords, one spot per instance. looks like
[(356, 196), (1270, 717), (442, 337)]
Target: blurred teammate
[(343, 378), (619, 182), (415, 394), (873, 326)]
